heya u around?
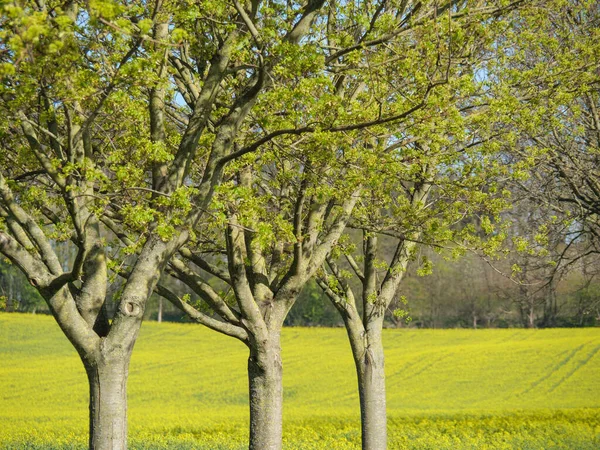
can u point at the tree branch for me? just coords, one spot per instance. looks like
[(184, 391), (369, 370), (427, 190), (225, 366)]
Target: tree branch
[(201, 318)]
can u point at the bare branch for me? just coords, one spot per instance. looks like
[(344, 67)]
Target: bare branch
[(201, 318)]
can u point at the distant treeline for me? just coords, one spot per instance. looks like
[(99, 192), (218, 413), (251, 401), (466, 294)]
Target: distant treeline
[(468, 293)]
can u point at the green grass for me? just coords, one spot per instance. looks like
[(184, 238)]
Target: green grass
[(447, 389)]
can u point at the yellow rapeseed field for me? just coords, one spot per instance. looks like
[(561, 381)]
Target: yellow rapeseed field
[(447, 389)]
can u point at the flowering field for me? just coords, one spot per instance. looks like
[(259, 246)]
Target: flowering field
[(447, 389)]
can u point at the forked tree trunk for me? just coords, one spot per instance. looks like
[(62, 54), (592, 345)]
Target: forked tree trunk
[(266, 394), (108, 403), (370, 368)]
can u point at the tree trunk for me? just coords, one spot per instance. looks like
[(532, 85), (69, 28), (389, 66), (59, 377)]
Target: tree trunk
[(160, 309), (9, 304), (531, 317), (108, 403), (371, 388), (266, 394), (9, 298)]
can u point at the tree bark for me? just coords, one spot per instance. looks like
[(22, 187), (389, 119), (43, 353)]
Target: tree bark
[(531, 317), (108, 402), (266, 394), (9, 303), (370, 368)]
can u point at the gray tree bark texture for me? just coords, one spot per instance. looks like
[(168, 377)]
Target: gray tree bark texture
[(265, 375), (108, 403), (370, 368)]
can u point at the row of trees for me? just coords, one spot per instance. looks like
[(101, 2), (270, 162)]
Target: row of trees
[(472, 294), (239, 151)]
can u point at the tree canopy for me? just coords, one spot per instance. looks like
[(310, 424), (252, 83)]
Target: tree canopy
[(228, 146)]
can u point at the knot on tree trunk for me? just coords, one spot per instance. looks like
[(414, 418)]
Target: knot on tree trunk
[(132, 307)]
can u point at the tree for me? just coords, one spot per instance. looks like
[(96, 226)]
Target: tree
[(552, 65), (426, 208), (439, 185), (274, 222), (559, 76), (586, 299), (117, 122), (339, 109)]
